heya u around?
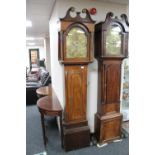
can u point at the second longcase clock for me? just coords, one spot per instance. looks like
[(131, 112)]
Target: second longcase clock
[(111, 47), (76, 52)]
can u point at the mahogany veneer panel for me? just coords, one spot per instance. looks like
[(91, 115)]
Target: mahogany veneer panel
[(76, 90), (76, 137), (108, 119), (108, 127), (76, 132)]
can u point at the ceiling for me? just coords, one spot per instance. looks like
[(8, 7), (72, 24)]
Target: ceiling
[(39, 12)]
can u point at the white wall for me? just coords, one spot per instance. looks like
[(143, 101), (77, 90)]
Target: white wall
[(48, 55), (57, 69), (42, 53)]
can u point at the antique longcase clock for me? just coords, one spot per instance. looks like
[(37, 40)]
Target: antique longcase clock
[(111, 47), (75, 52)]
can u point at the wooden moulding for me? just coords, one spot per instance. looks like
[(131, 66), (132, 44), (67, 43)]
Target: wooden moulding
[(76, 132), (76, 136), (69, 18), (103, 109), (100, 36), (88, 28), (64, 25), (108, 119), (108, 127), (84, 23)]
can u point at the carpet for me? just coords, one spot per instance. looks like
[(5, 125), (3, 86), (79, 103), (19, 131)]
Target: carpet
[(34, 139)]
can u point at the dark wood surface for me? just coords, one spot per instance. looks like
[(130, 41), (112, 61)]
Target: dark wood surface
[(75, 126), (76, 137), (100, 37), (44, 91), (109, 81), (69, 18), (87, 25), (75, 89), (108, 118), (108, 127), (76, 131), (50, 105)]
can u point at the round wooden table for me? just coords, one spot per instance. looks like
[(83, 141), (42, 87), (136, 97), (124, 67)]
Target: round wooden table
[(50, 105), (44, 91)]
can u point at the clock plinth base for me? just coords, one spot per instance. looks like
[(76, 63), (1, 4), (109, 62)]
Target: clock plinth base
[(75, 136), (108, 127)]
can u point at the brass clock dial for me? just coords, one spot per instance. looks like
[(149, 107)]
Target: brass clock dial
[(113, 40), (76, 43)]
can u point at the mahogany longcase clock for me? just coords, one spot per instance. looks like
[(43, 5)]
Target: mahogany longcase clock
[(111, 47), (75, 52)]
